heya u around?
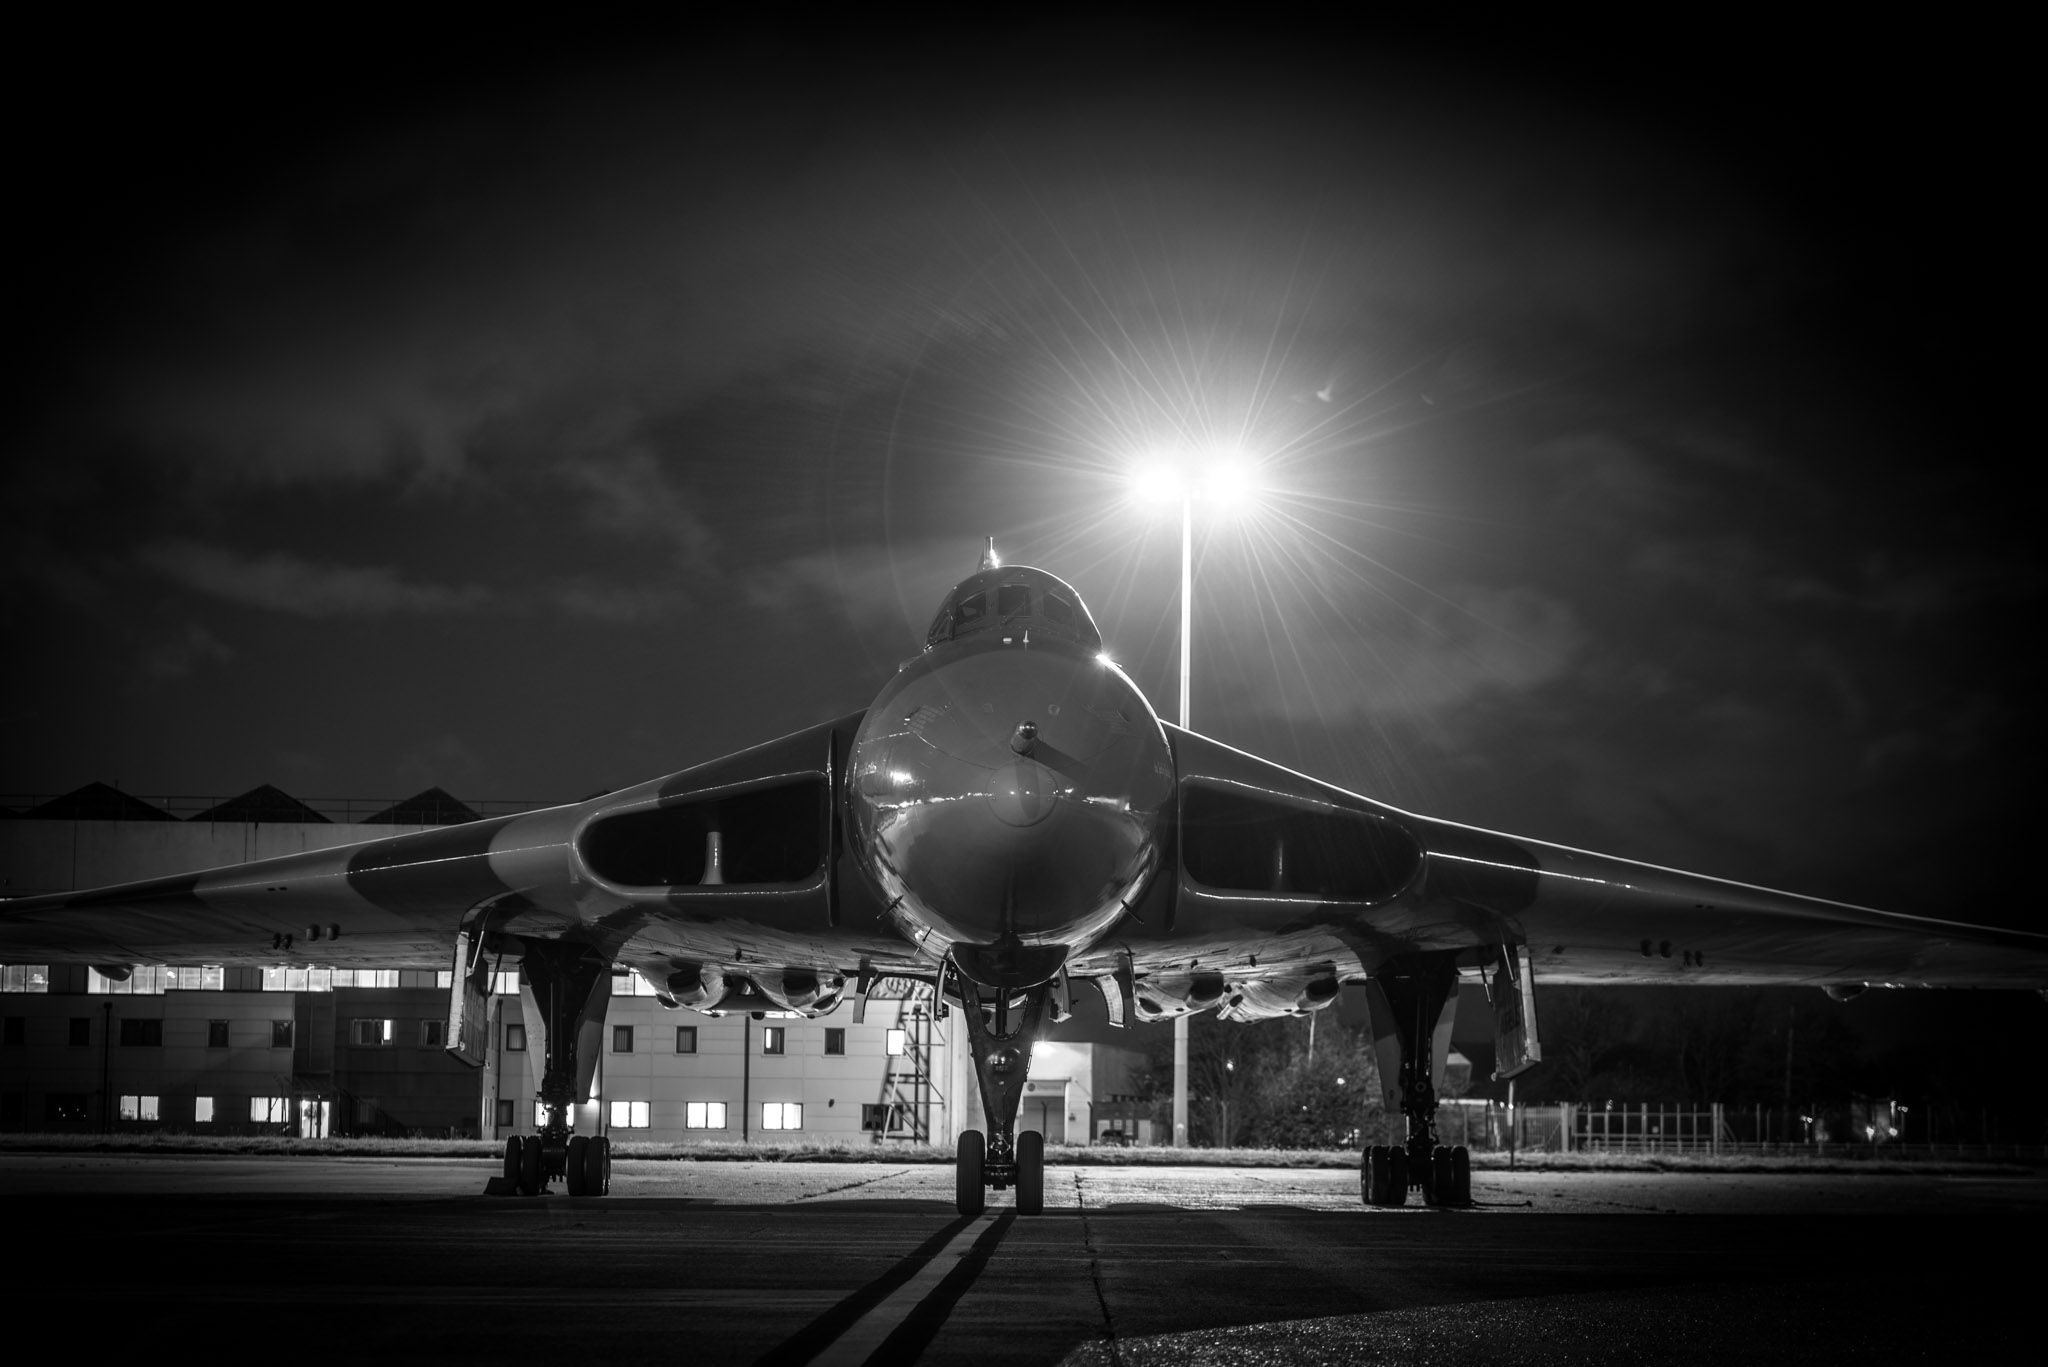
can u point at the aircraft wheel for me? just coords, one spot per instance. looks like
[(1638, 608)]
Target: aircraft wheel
[(1397, 1176), (1031, 1173), (1365, 1176), (597, 1166), (971, 1157), (1446, 1180), (1376, 1175), (529, 1166), (1425, 1176), (572, 1171), (1461, 1175), (512, 1160)]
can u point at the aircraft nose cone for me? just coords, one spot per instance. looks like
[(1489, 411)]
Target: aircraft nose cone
[(1022, 792)]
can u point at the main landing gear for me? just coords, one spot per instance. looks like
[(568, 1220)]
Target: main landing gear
[(1001, 1039), (571, 988), (1413, 998)]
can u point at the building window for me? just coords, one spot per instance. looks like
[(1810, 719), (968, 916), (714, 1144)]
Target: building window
[(622, 1039), (894, 1042), (629, 1115), (202, 1110), (505, 1105), (270, 1110), (835, 1039), (142, 1032), (772, 1037), (686, 1039), (69, 1106), (280, 1034), (81, 1030), (782, 1115), (880, 1118), (515, 1038), (216, 1034), (704, 1115), (370, 1032), (138, 1108), (433, 1034), (25, 978), (16, 1031)]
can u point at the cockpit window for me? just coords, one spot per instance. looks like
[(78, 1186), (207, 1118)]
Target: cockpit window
[(1014, 601)]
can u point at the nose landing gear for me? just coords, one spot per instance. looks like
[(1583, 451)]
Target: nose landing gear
[(1001, 1040)]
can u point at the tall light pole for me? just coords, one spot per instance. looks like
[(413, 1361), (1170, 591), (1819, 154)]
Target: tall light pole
[(1187, 621), (1220, 481)]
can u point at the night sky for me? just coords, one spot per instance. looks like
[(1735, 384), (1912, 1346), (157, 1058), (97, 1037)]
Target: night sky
[(1636, 420)]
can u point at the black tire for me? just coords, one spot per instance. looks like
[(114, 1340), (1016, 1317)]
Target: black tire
[(512, 1160), (1365, 1191), (529, 1166), (1461, 1175), (1376, 1175), (1397, 1176), (1031, 1173), (572, 1170), (1425, 1176), (1446, 1183), (971, 1158), (597, 1166)]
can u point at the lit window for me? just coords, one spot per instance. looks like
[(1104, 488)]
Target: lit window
[(894, 1042), (622, 1039), (515, 1038), (835, 1040), (629, 1115), (704, 1115), (138, 1108), (269, 1110), (202, 1110), (686, 1039), (782, 1115), (370, 1032), (506, 982), (25, 978), (540, 1115), (772, 1037)]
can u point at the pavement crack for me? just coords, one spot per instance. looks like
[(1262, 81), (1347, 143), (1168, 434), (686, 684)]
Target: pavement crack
[(1116, 1356), (852, 1186)]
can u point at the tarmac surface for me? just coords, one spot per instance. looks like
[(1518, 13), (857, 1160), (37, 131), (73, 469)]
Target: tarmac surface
[(403, 1260)]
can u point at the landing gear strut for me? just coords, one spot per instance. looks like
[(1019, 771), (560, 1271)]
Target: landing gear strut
[(1001, 1041), (571, 987), (1413, 996)]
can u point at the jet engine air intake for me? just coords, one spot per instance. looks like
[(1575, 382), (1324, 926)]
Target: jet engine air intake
[(1245, 842), (770, 834)]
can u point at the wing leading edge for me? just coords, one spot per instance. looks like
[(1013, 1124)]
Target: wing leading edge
[(1277, 872)]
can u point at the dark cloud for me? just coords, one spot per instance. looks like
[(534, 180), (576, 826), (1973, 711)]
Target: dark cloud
[(547, 422)]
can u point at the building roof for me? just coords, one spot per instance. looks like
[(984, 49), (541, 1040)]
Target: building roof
[(261, 803), (433, 807), (98, 802)]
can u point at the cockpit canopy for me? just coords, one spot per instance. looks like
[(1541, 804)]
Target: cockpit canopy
[(1011, 601)]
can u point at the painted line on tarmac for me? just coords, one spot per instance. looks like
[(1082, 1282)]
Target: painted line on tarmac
[(910, 1294), (891, 1319)]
